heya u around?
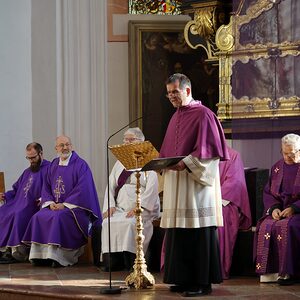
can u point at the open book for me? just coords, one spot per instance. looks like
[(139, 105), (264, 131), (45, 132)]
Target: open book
[(162, 163)]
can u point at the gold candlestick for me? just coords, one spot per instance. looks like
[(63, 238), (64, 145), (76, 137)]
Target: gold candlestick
[(133, 157), (140, 278)]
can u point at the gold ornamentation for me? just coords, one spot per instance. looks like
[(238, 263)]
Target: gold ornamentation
[(224, 37), (237, 108), (279, 238), (140, 278), (232, 51), (128, 154), (276, 170), (204, 25), (252, 12), (258, 266), (59, 188), (158, 7), (28, 186), (267, 236)]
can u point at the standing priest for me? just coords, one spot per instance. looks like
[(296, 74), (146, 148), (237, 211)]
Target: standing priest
[(192, 204)]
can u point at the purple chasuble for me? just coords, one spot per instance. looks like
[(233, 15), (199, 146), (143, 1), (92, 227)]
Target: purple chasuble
[(21, 204), (68, 228), (194, 130), (237, 214), (234, 188), (277, 243)]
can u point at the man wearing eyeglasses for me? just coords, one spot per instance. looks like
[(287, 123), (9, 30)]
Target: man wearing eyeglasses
[(18, 205), (192, 203), (278, 232), (122, 189), (69, 206)]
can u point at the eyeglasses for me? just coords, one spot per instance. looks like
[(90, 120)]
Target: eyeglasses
[(129, 140), (291, 155), (63, 145), (175, 93), (31, 158)]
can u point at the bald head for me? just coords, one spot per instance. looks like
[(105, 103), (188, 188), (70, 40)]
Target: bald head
[(63, 146)]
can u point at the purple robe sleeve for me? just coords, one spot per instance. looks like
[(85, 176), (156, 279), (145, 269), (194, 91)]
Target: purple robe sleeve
[(84, 192), (10, 195)]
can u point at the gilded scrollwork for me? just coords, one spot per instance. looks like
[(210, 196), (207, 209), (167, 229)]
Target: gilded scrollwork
[(201, 31), (203, 23), (224, 37), (271, 65)]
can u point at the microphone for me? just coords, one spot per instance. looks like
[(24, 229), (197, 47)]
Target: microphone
[(112, 289), (139, 118)]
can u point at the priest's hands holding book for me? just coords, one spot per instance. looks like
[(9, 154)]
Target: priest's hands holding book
[(180, 166)]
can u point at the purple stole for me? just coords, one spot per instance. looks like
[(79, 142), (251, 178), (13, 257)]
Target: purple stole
[(121, 181), (280, 230)]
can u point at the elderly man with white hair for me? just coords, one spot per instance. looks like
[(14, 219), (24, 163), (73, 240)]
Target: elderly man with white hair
[(59, 232), (122, 189), (278, 232)]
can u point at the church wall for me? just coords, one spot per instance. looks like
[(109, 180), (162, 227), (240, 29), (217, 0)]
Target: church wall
[(15, 87), (258, 153)]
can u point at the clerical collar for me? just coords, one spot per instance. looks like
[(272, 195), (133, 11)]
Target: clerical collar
[(64, 162)]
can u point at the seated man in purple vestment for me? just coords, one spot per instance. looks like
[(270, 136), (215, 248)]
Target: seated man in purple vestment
[(192, 203), (277, 240), (122, 198), (69, 205), (19, 205), (235, 207)]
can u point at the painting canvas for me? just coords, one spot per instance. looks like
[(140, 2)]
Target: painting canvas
[(157, 50)]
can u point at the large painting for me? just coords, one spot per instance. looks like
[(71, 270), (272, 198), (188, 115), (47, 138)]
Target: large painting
[(259, 61), (157, 50)]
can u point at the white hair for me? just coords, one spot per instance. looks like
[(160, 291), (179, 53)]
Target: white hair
[(137, 132), (291, 139)]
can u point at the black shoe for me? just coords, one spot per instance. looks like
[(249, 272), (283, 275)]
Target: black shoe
[(8, 260), (194, 292), (56, 264), (37, 262), (177, 288), (129, 259), (289, 281)]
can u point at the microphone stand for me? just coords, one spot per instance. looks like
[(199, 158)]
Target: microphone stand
[(111, 289)]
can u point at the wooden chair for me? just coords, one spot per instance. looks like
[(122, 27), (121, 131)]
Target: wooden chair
[(87, 256), (2, 183)]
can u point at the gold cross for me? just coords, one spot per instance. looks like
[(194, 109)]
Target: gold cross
[(279, 237), (28, 185), (267, 236), (59, 188)]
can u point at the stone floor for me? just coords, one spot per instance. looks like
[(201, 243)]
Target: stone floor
[(23, 281)]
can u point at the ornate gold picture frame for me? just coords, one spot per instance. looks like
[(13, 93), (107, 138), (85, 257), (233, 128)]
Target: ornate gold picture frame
[(259, 61)]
